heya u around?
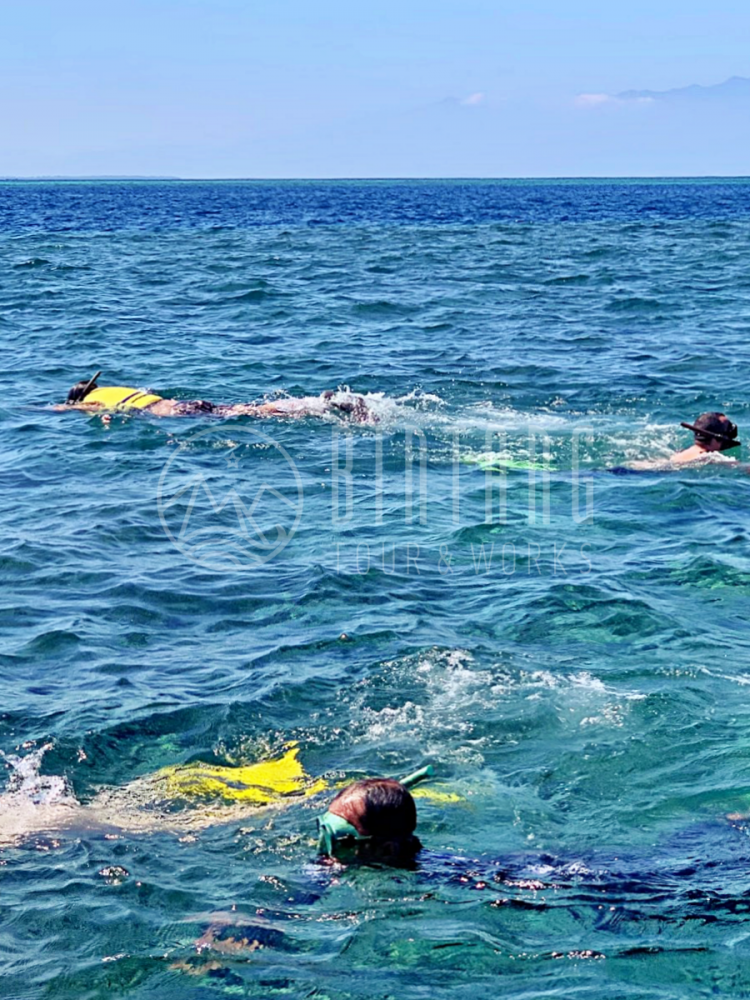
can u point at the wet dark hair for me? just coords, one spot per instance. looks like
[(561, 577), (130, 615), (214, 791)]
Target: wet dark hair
[(387, 807), (81, 389), (714, 426), (77, 393)]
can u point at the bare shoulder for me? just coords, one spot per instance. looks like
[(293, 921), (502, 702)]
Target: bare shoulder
[(651, 464)]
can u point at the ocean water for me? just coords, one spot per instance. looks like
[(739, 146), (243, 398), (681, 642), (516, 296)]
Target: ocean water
[(459, 581)]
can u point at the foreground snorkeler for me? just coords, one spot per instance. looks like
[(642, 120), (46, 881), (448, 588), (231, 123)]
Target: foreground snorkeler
[(88, 395), (181, 798), (371, 821), (714, 432), (374, 818)]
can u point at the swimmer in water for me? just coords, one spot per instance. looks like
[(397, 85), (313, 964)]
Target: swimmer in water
[(714, 432), (88, 395), (374, 821), (369, 821), (181, 798), (375, 818)]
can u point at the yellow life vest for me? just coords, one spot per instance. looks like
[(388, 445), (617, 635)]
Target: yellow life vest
[(263, 783), (121, 397)]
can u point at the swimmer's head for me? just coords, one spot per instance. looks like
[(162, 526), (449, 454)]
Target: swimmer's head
[(343, 405), (350, 405), (376, 817), (714, 432), (81, 389)]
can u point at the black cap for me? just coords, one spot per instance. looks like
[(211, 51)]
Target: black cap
[(715, 425)]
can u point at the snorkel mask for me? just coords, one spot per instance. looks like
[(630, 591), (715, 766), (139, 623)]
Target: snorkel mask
[(333, 828)]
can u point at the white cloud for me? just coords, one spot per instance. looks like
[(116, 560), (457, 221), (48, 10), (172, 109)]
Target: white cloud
[(597, 100), (473, 99), (593, 100)]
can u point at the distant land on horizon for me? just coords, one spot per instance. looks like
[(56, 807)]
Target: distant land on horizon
[(735, 86)]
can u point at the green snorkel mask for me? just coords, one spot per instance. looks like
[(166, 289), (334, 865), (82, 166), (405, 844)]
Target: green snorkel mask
[(333, 828)]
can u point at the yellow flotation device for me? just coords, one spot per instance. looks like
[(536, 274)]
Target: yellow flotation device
[(261, 784), (436, 796), (121, 397)]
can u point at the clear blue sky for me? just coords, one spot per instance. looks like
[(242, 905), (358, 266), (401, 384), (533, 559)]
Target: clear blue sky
[(250, 88)]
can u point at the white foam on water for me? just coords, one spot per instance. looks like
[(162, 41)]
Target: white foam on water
[(344, 405), (437, 700), (487, 416), (34, 802), (742, 679), (446, 694), (26, 780), (422, 398)]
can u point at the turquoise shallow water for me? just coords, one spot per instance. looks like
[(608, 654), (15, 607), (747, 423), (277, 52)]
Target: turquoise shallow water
[(567, 646)]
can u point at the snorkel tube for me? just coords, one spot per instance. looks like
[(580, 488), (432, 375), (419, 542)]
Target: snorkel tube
[(428, 771), (80, 390), (333, 828), (702, 431)]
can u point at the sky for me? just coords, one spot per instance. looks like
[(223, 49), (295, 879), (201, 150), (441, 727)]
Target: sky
[(398, 88)]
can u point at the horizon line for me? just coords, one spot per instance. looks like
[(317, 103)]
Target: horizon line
[(385, 177)]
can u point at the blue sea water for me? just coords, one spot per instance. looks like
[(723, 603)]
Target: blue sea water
[(461, 582)]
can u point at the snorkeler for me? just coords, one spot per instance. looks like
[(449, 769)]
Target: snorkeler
[(714, 432), (90, 396), (378, 812), (370, 821), (374, 817)]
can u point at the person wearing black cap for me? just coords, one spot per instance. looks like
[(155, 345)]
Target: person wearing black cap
[(713, 432)]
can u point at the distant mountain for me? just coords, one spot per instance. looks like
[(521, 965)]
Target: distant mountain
[(733, 88)]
